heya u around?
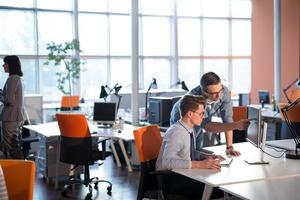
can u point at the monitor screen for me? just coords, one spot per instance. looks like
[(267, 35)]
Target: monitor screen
[(105, 112), (254, 129), (264, 97)]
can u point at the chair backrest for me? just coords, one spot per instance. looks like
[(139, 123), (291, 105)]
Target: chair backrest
[(67, 101), (148, 142), (19, 178), (293, 114), (239, 112), (75, 140), (295, 94)]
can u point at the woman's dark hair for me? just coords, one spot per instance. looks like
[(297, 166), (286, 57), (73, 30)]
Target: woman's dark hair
[(14, 65), (209, 78), (191, 102)]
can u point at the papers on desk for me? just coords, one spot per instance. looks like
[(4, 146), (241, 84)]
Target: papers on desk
[(226, 162)]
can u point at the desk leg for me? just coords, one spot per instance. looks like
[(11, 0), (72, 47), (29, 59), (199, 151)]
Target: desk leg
[(115, 152), (207, 192), (125, 154), (57, 163)]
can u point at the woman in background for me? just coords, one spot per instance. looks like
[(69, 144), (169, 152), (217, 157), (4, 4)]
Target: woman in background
[(13, 113)]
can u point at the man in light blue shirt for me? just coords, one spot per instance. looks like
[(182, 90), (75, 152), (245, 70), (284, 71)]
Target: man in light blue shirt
[(219, 105)]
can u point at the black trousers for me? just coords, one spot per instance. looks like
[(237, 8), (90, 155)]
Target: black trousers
[(187, 187)]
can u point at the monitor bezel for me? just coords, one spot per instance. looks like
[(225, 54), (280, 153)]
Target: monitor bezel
[(259, 131), (105, 122)]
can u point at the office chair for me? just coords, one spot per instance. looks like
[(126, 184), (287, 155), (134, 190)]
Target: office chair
[(239, 112), (76, 149), (148, 142), (68, 101), (294, 117), (19, 178), (26, 141)]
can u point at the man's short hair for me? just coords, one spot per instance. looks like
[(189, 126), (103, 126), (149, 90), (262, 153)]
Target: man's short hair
[(209, 78), (191, 102)]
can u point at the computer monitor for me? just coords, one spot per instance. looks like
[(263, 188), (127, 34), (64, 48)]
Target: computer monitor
[(264, 97), (105, 112), (254, 131)]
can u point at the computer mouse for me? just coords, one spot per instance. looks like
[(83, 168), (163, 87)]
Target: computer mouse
[(119, 131)]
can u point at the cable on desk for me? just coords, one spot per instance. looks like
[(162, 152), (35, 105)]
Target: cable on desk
[(271, 154), (276, 149)]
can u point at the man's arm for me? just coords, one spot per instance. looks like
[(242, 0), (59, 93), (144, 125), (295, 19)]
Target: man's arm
[(229, 141), (217, 127)]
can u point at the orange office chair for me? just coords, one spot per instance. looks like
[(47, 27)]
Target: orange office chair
[(19, 178), (148, 142), (68, 101), (76, 149), (239, 112), (294, 117)]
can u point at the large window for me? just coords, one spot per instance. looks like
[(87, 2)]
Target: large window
[(178, 39)]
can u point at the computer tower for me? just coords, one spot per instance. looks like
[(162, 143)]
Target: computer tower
[(160, 109)]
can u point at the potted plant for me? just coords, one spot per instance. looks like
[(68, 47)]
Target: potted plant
[(66, 53)]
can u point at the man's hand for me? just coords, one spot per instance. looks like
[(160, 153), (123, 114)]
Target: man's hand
[(242, 124), (230, 151), (208, 163)]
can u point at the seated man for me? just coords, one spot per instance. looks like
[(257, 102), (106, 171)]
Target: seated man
[(177, 150)]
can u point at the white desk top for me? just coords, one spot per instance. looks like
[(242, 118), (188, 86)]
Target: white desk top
[(275, 189), (285, 144), (239, 171), (51, 130)]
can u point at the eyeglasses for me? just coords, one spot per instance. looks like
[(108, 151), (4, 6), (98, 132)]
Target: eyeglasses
[(215, 93), (200, 114)]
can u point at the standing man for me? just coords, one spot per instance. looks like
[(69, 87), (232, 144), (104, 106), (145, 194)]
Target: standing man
[(218, 104)]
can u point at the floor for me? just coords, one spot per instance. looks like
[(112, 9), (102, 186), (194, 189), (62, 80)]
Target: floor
[(125, 184)]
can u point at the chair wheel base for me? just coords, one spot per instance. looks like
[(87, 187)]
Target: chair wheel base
[(64, 193), (109, 188), (88, 196)]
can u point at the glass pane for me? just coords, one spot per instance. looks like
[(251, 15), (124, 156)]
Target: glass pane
[(91, 79), (215, 37), (93, 34), (241, 8), (220, 67), (120, 35), (121, 73), (189, 37), (241, 75), (17, 35), (55, 4), (188, 8), (3, 75), (119, 6), (241, 37), (156, 7), (28, 68), (53, 26), (92, 5), (48, 82), (17, 3), (159, 69), (156, 36), (216, 8), (189, 71)]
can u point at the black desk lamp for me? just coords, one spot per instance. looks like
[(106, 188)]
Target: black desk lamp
[(116, 89), (293, 154), (182, 83), (297, 81), (153, 85)]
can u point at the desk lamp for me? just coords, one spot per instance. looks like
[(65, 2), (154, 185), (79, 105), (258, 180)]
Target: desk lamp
[(153, 85), (182, 83), (297, 82), (116, 89), (293, 154)]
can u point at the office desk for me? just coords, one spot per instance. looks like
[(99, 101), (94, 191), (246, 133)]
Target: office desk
[(239, 171), (274, 189), (49, 145)]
